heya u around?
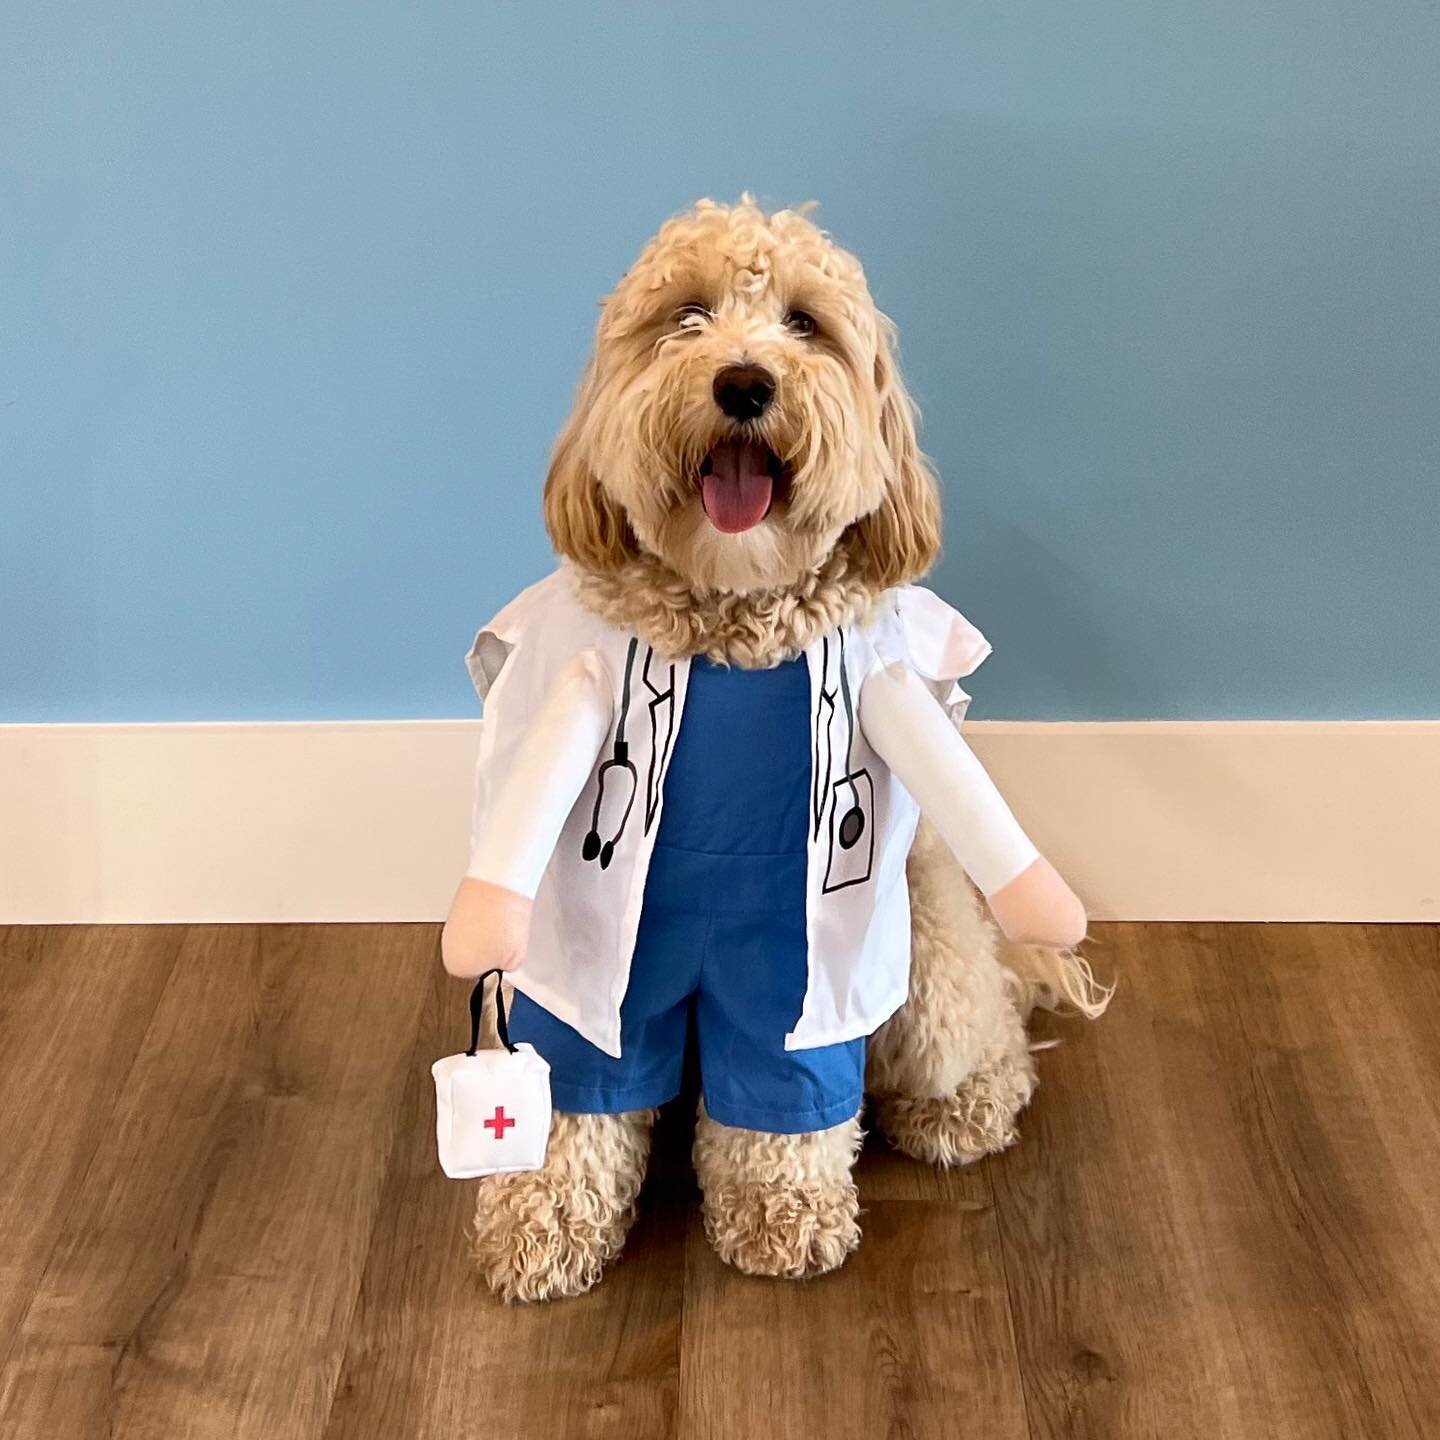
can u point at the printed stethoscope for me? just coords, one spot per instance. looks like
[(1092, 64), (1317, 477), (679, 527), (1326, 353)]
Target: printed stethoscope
[(592, 847), (852, 822), (848, 832)]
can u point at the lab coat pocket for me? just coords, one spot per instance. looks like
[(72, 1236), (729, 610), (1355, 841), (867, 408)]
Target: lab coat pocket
[(850, 851)]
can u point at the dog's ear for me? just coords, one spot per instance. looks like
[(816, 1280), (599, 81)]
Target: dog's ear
[(899, 541), (585, 524)]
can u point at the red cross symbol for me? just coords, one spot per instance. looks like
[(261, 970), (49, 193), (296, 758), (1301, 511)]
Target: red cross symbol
[(499, 1122)]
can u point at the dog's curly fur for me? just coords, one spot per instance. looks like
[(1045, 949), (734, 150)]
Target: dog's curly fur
[(545, 1234), (856, 512), (756, 630), (713, 288), (779, 1205)]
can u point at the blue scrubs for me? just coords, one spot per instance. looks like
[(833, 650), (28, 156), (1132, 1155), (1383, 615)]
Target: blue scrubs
[(721, 943)]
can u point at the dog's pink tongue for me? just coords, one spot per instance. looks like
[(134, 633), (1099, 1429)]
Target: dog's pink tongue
[(736, 492)]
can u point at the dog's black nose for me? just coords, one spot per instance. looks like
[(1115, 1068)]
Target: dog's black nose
[(744, 391)]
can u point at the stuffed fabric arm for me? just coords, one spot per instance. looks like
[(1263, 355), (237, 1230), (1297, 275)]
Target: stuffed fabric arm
[(911, 732), (516, 835), (489, 922)]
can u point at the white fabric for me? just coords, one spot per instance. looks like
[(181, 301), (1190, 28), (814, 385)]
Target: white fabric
[(546, 774), (585, 918), (492, 1111), (918, 741), (583, 926), (940, 644)]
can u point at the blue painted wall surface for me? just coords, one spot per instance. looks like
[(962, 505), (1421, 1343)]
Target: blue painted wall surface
[(293, 297)]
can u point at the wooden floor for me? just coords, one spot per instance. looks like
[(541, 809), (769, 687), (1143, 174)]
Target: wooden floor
[(220, 1216)]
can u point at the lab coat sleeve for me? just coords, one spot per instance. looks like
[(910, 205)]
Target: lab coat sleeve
[(909, 729), (942, 643), (515, 837)]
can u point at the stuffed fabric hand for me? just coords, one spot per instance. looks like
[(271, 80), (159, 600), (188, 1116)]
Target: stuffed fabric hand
[(1038, 908), (488, 928)]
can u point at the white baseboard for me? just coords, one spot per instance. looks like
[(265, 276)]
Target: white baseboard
[(368, 821)]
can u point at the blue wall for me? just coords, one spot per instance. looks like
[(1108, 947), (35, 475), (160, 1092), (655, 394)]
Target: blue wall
[(293, 297)]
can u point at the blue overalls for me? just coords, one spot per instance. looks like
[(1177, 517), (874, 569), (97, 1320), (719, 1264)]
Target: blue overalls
[(722, 933)]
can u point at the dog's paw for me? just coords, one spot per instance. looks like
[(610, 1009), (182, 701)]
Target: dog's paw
[(978, 1119), (535, 1240), (549, 1233), (786, 1230)]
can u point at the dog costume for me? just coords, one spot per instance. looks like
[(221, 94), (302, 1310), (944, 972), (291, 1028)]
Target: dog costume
[(724, 842)]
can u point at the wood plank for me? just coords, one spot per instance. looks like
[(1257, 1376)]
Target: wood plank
[(205, 1277), (1341, 1023), (1199, 1238), (432, 1353), (1114, 1214), (1222, 1221), (74, 1005), (911, 1337)]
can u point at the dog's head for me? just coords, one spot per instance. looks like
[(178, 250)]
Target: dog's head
[(742, 415)]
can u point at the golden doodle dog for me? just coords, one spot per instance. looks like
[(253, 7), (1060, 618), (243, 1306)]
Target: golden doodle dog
[(740, 489)]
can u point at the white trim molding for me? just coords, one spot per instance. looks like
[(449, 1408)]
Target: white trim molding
[(369, 821)]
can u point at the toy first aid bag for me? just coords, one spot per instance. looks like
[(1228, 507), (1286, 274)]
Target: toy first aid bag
[(492, 1107)]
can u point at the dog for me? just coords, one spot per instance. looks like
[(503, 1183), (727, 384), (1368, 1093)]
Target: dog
[(740, 475)]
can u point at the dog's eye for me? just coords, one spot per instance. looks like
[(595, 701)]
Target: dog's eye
[(801, 323), (691, 315)]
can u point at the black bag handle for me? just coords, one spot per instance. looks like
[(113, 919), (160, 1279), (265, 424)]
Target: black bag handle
[(477, 1009)]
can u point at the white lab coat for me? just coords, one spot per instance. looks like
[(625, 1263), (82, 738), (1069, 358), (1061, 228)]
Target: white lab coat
[(586, 916)]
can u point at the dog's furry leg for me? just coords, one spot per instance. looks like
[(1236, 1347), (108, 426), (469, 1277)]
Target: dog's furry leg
[(548, 1233), (780, 1205), (949, 1072)]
